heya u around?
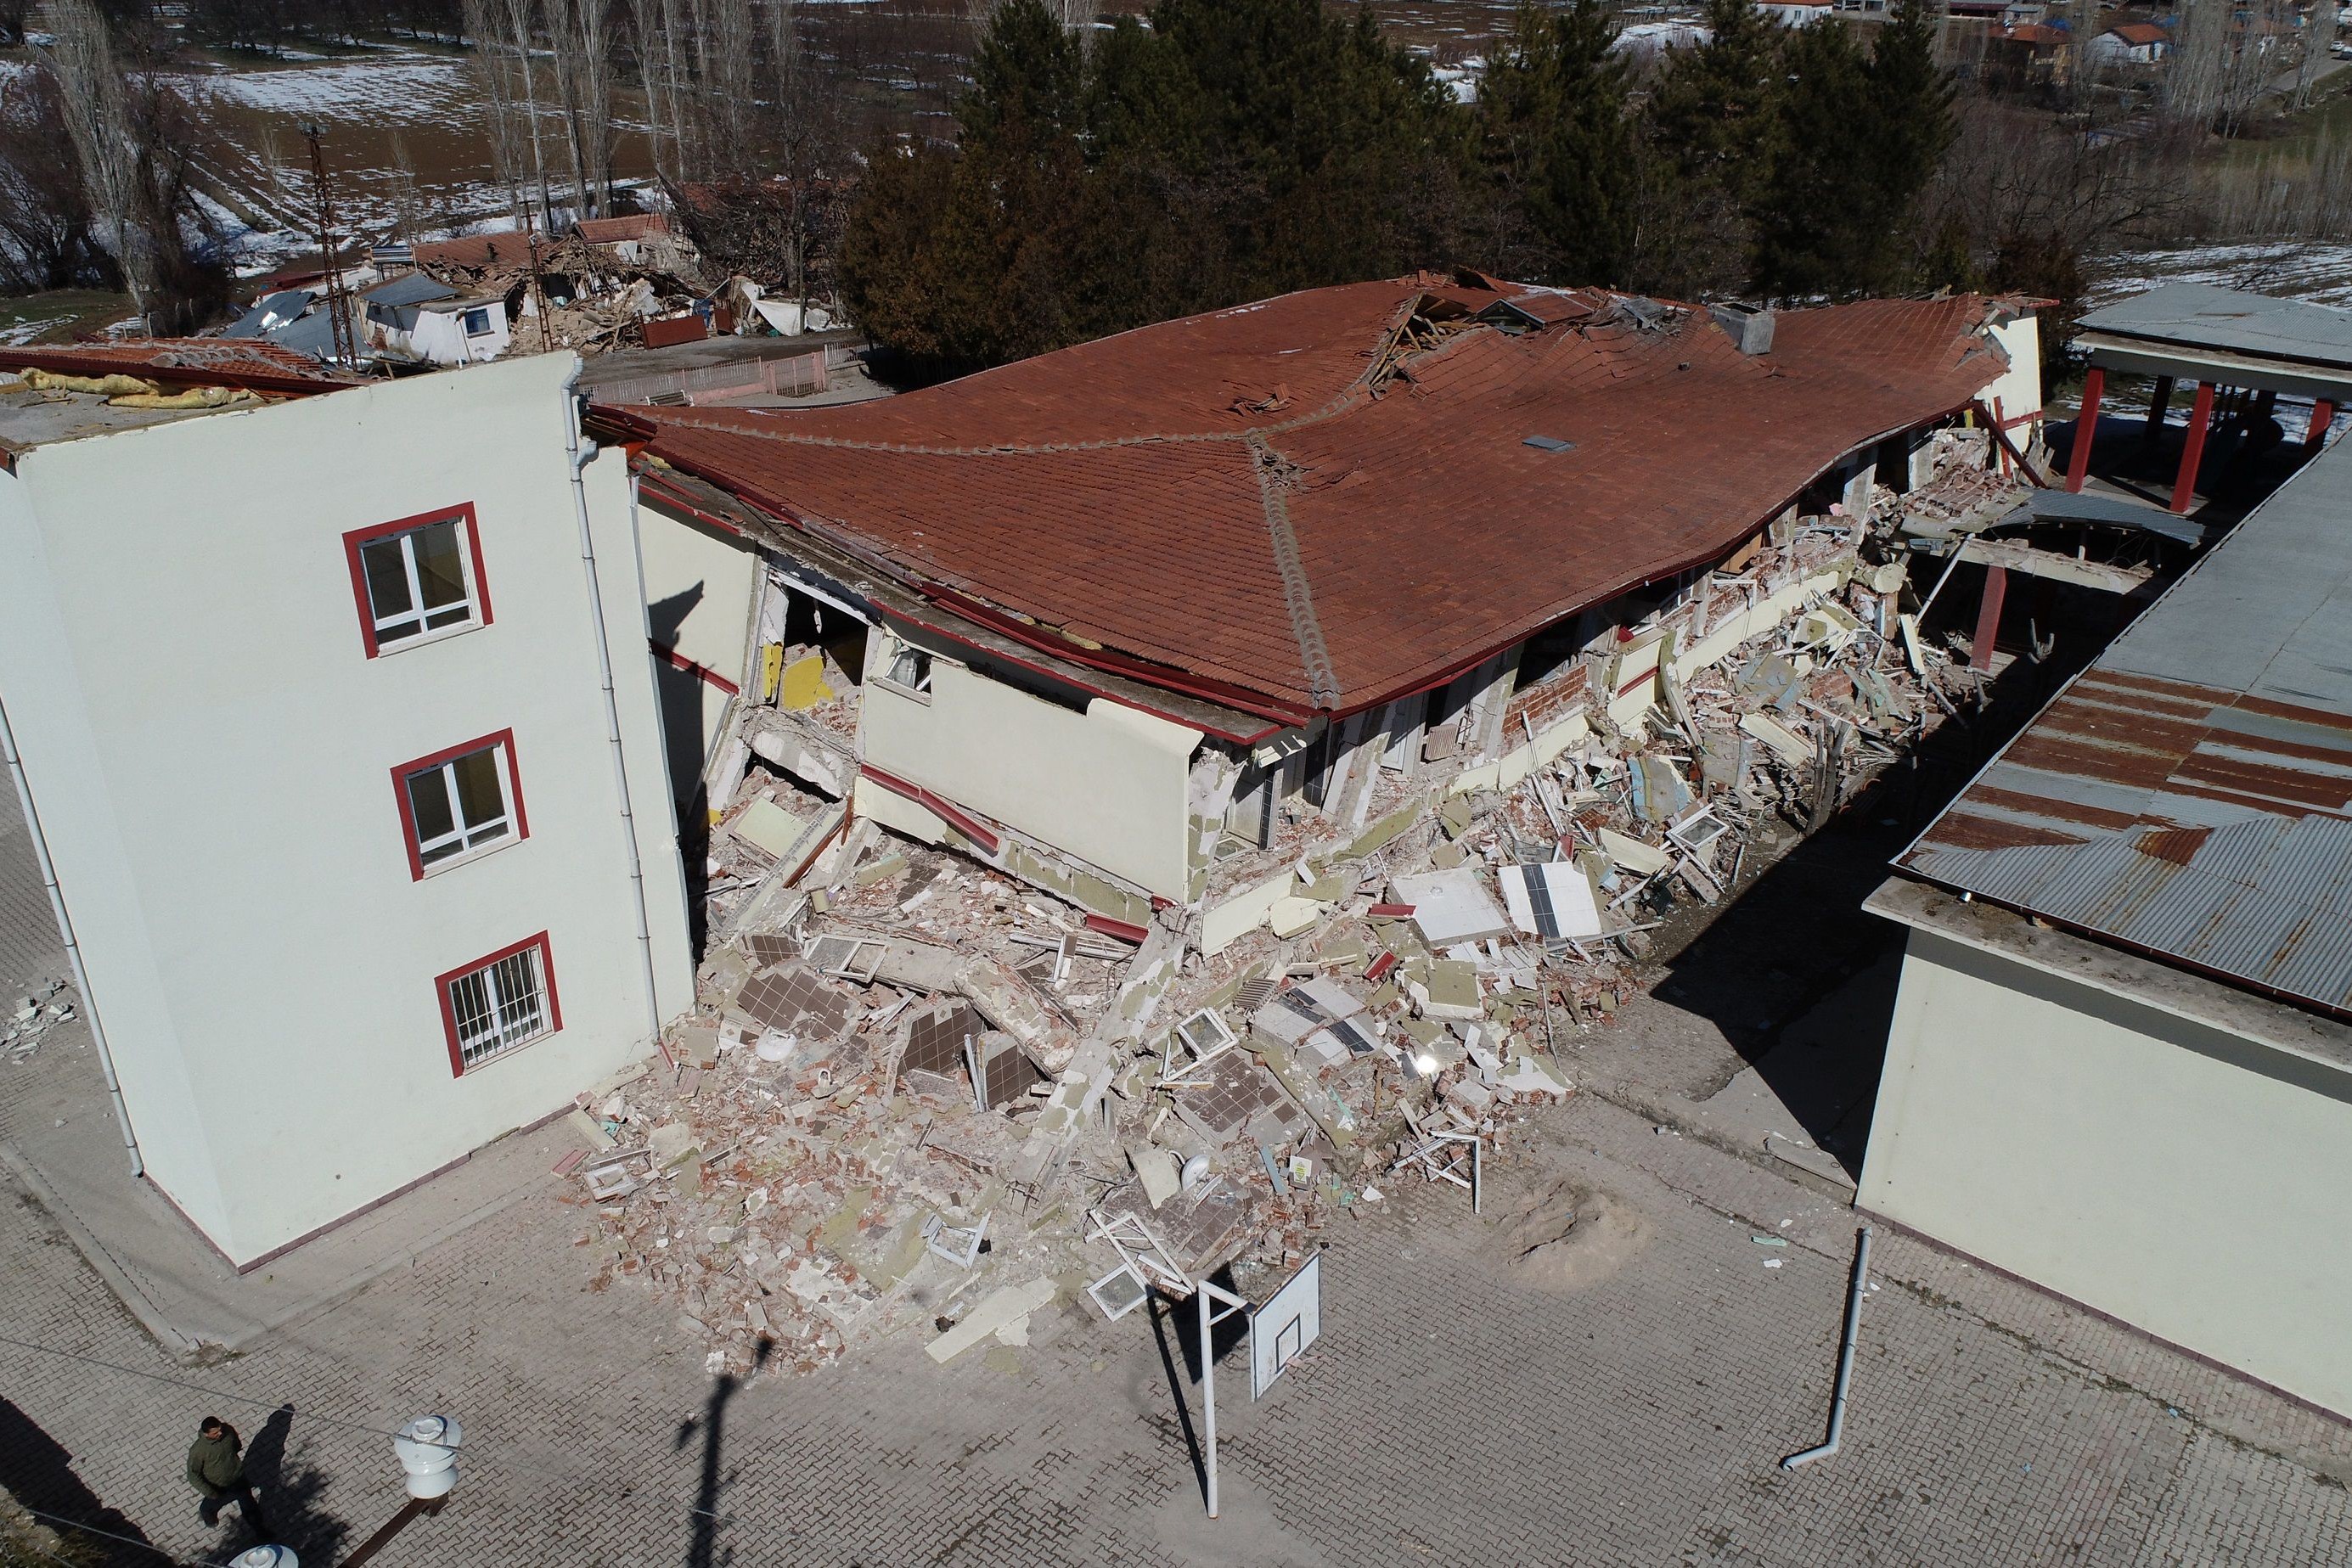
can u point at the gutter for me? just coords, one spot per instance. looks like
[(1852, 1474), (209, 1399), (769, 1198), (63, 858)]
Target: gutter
[(579, 453), (66, 934)]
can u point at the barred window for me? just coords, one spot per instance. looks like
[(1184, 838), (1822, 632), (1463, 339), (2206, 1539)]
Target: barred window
[(505, 1001)]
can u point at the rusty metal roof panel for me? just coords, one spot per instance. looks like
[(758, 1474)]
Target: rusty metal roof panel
[(2204, 764)]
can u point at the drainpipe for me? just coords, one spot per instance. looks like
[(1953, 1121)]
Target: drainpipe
[(66, 934), (580, 452), (1845, 1361)]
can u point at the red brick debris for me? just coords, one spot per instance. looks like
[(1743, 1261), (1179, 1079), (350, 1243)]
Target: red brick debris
[(1329, 499)]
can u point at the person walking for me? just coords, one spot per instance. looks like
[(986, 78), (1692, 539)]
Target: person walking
[(216, 1469)]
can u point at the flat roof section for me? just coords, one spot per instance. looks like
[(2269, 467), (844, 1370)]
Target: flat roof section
[(2189, 794), (2200, 331)]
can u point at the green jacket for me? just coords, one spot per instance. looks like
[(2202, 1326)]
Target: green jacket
[(214, 1466)]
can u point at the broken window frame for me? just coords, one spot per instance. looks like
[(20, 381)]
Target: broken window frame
[(466, 841), (495, 1006), (860, 962), (1185, 1073), (916, 684), (388, 551)]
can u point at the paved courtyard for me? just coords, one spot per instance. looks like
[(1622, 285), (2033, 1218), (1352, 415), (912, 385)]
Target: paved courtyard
[(1620, 1396)]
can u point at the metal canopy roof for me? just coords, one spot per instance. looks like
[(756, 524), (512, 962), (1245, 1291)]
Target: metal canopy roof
[(2202, 331), (2189, 794)]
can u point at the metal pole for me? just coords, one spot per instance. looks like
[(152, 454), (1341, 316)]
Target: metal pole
[(1208, 1390), (1478, 1175), (1845, 1361)]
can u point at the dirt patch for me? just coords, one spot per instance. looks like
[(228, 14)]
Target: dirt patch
[(1572, 1237)]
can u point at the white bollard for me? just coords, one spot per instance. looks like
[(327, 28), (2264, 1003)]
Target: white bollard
[(267, 1557), (427, 1450)]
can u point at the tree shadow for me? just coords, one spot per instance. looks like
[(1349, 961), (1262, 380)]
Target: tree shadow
[(39, 1473), (291, 1491), (702, 1539)]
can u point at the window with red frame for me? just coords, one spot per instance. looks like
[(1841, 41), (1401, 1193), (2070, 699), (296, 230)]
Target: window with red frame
[(499, 1004), (461, 803), (417, 579)]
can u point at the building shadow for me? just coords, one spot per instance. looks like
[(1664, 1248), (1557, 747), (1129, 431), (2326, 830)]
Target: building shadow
[(703, 1537), (1793, 973), (37, 1471)]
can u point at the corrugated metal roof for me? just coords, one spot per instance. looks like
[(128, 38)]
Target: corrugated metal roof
[(2203, 316), (2189, 794)]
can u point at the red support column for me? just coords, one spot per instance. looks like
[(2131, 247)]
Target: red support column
[(2086, 427), (2323, 414), (2184, 489), (1996, 589)]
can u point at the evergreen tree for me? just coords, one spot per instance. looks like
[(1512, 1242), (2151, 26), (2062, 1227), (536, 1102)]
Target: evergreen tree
[(1556, 149), (1912, 126), (1814, 212), (1712, 115)]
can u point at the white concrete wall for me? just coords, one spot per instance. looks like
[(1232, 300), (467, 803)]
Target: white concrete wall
[(2017, 392), (698, 588), (2176, 1177), (1107, 786), (211, 752)]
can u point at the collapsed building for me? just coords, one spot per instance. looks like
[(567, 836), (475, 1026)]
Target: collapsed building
[(1180, 778)]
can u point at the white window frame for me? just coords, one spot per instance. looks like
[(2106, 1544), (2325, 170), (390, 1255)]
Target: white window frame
[(487, 1020), (472, 843), (406, 541), (892, 652)]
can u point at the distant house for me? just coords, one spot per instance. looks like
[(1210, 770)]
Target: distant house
[(2130, 44), (1795, 13), (414, 318)]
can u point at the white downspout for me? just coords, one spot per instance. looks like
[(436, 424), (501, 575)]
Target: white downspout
[(579, 451), (65, 934)]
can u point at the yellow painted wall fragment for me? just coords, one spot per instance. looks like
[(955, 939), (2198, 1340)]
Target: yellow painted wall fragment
[(804, 685)]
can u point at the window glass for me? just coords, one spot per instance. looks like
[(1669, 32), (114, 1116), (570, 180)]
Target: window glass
[(387, 578), (459, 805), (440, 570), (428, 800)]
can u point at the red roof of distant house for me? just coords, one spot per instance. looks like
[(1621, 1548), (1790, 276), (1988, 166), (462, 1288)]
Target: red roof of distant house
[(185, 361), (2035, 34), (1274, 501), (611, 231), (479, 251), (2140, 33)]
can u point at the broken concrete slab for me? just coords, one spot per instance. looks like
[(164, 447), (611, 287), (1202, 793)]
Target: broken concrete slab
[(995, 1311), (1451, 906)]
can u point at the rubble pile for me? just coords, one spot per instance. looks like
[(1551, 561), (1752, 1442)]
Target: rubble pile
[(916, 1089), (42, 1006)]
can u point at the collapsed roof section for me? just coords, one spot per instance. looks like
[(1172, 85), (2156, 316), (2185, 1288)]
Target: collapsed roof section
[(1332, 499), (244, 362)]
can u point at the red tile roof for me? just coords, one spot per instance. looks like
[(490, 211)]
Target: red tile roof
[(478, 251), (2140, 33), (184, 361), (1247, 499), (634, 225)]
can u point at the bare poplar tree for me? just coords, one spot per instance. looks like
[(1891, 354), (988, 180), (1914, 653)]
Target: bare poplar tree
[(97, 104), (563, 52), (519, 18), (506, 132), (649, 82), (674, 76), (733, 60), (593, 74), (2192, 87), (2318, 34)]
